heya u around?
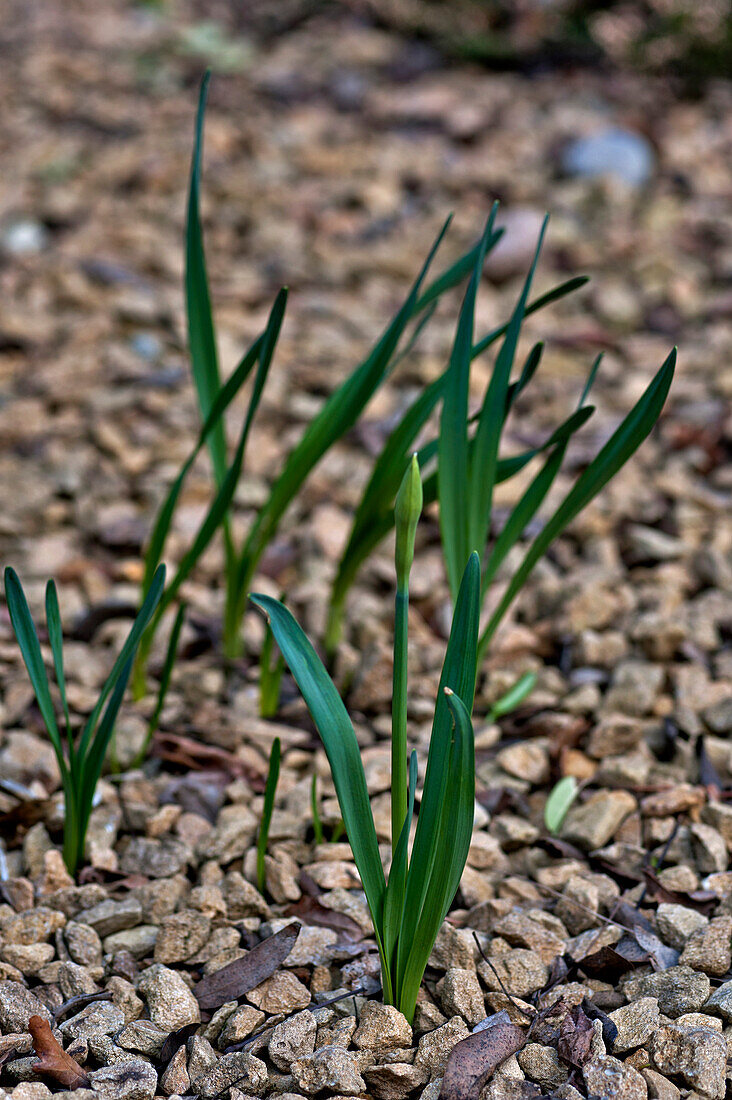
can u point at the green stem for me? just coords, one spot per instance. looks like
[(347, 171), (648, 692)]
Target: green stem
[(399, 716), (334, 628)]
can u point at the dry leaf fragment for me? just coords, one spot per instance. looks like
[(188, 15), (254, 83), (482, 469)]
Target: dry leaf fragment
[(474, 1060), (53, 1059), (575, 1038), (233, 981)]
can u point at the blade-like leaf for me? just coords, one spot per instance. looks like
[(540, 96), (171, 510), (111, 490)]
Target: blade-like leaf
[(450, 842), (561, 798), (459, 670), (553, 295), (341, 747), (453, 480), (534, 495), (624, 442), (338, 414), (269, 796), (201, 336), (482, 473), (120, 668), (56, 640), (514, 696), (92, 762), (30, 648), (171, 654), (224, 398)]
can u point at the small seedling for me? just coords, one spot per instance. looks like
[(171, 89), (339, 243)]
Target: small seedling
[(270, 790), (408, 908), (270, 676), (315, 809), (171, 655), (560, 799), (80, 759), (513, 698)]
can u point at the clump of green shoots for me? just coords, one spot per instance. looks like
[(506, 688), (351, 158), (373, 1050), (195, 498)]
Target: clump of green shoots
[(80, 758), (408, 907), (463, 462), (339, 413)]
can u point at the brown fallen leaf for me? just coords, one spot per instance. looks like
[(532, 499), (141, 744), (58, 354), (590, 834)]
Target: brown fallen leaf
[(53, 1059), (474, 1060), (233, 981), (703, 901), (575, 1038), (310, 911)]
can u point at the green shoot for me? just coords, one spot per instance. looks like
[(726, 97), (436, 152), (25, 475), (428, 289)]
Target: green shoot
[(513, 698), (561, 797), (270, 789), (315, 808), (408, 907), (171, 654), (80, 758), (270, 676)]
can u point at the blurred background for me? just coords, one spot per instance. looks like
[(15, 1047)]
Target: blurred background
[(339, 136)]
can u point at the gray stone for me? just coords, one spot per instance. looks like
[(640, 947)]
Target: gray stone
[(99, 1018), (280, 993), (720, 1003), (541, 1064), (83, 944), (247, 1071), (292, 1039), (709, 949), (155, 858), (594, 823), (460, 995), (331, 1068), (131, 1079), (677, 922), (139, 941), (29, 958), (112, 916), (608, 1079), (33, 925), (382, 1027), (17, 1005), (142, 1037), (169, 1000), (393, 1081), (434, 1048), (635, 1022), (624, 154), (521, 972), (710, 850), (240, 1023), (659, 1087), (74, 980), (175, 1080), (677, 990), (698, 1056), (181, 935)]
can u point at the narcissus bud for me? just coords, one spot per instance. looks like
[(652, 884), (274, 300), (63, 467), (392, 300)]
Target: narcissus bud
[(407, 511)]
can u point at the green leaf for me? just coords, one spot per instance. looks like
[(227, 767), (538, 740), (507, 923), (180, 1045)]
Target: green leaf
[(514, 697), (481, 477), (120, 670), (459, 670), (453, 481), (30, 648), (561, 798), (341, 747), (224, 398), (270, 790), (339, 413), (553, 295), (92, 762), (624, 442), (201, 336), (171, 654), (56, 640), (450, 842), (535, 494)]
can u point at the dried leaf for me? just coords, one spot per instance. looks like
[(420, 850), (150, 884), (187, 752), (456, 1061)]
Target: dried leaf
[(611, 961), (233, 981), (310, 911), (609, 1029), (175, 1040), (53, 1059), (474, 1060), (703, 901), (575, 1038), (194, 755)]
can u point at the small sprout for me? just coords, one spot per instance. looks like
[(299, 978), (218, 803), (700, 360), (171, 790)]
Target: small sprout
[(558, 803), (270, 676), (407, 510), (80, 758), (270, 790), (513, 698)]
